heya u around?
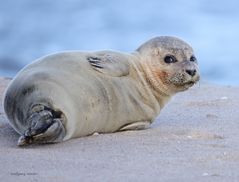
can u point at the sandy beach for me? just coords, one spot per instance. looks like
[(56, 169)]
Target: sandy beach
[(195, 138)]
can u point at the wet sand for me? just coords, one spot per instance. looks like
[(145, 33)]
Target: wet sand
[(195, 138)]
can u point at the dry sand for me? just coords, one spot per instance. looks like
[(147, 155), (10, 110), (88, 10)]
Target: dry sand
[(195, 138)]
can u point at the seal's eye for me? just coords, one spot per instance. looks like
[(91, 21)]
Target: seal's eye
[(170, 59), (193, 59)]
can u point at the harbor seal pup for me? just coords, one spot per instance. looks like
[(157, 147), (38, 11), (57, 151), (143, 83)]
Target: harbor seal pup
[(74, 94)]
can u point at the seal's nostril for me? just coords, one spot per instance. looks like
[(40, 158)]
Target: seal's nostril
[(191, 72)]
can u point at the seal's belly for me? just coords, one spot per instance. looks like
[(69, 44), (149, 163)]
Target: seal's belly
[(106, 104)]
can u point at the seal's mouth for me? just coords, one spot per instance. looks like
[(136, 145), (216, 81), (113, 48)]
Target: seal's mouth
[(190, 83), (183, 83), (181, 80)]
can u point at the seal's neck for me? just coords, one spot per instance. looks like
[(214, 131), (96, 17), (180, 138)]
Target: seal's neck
[(143, 74)]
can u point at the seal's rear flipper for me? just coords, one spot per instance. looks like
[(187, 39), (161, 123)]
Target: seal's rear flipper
[(45, 128)]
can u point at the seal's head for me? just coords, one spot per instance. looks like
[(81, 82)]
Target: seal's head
[(169, 64)]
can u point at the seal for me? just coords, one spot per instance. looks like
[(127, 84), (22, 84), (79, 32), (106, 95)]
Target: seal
[(75, 94)]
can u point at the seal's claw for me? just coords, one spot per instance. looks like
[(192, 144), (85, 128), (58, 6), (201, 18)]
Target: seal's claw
[(23, 141)]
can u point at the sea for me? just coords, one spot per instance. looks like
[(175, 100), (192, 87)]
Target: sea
[(30, 29)]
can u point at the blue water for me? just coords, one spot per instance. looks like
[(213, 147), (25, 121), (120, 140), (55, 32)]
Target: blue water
[(32, 28)]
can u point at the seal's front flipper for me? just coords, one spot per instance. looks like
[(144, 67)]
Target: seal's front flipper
[(45, 128), (136, 126), (111, 64)]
